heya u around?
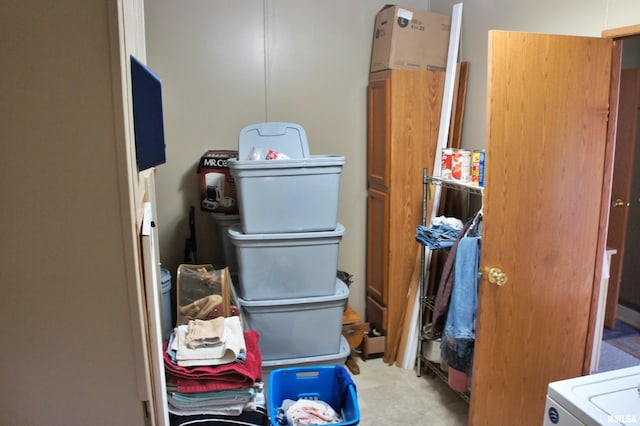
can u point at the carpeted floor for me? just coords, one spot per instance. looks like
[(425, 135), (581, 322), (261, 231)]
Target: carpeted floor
[(629, 344), (620, 347), (612, 358)]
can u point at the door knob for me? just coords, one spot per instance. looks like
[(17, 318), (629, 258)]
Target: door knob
[(496, 276), (618, 203)]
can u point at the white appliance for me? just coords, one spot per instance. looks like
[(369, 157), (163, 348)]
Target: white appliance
[(612, 397)]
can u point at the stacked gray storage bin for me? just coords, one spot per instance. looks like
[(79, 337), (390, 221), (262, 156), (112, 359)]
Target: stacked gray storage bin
[(287, 245)]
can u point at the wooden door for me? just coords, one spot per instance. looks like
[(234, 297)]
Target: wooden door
[(621, 186), (546, 136)]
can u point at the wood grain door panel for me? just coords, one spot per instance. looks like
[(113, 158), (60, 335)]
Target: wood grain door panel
[(546, 133), (379, 121), (378, 245)]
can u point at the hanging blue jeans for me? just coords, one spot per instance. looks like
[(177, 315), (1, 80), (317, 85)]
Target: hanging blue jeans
[(461, 319), (460, 328)]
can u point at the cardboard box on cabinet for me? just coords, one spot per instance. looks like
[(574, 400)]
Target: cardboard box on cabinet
[(410, 39), (217, 185)]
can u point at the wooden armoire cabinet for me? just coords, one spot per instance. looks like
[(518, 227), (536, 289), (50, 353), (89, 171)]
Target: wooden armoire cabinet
[(403, 119)]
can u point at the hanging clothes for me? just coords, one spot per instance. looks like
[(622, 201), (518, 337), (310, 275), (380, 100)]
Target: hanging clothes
[(460, 328), (444, 289)]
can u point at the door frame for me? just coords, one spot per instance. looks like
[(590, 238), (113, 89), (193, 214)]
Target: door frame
[(618, 35)]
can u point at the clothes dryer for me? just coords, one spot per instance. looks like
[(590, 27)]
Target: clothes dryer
[(612, 397)]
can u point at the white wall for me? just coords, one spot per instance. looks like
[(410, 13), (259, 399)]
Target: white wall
[(226, 64)]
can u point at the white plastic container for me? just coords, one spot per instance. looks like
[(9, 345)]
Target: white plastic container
[(300, 327), (287, 265)]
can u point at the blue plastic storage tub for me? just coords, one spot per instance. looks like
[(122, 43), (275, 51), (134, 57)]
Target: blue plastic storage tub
[(323, 383)]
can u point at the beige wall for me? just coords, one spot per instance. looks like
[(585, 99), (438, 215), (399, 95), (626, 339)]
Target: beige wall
[(70, 342), (571, 17), (226, 64)]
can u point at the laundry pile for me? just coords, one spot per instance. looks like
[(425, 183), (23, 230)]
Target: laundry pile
[(305, 412), (213, 371)]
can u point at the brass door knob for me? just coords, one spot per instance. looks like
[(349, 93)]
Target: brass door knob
[(619, 203), (496, 276)]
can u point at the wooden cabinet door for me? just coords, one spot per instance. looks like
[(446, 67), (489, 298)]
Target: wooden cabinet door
[(378, 247), (379, 130), (546, 136)]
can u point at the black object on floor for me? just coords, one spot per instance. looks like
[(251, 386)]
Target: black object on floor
[(190, 242)]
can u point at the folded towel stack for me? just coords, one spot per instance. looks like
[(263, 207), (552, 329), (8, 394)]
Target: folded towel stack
[(214, 371)]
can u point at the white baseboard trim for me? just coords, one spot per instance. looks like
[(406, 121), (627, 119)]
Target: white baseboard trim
[(628, 316)]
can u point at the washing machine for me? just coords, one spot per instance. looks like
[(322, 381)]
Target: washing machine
[(612, 397)]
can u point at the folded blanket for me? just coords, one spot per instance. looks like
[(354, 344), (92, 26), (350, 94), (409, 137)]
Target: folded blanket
[(229, 396), (186, 409), (217, 377)]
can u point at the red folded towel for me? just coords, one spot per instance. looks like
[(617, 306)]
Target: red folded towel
[(219, 377)]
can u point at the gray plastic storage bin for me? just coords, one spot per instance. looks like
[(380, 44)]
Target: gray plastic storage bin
[(285, 266), (223, 223), (338, 358), (300, 327), (167, 312), (288, 195)]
